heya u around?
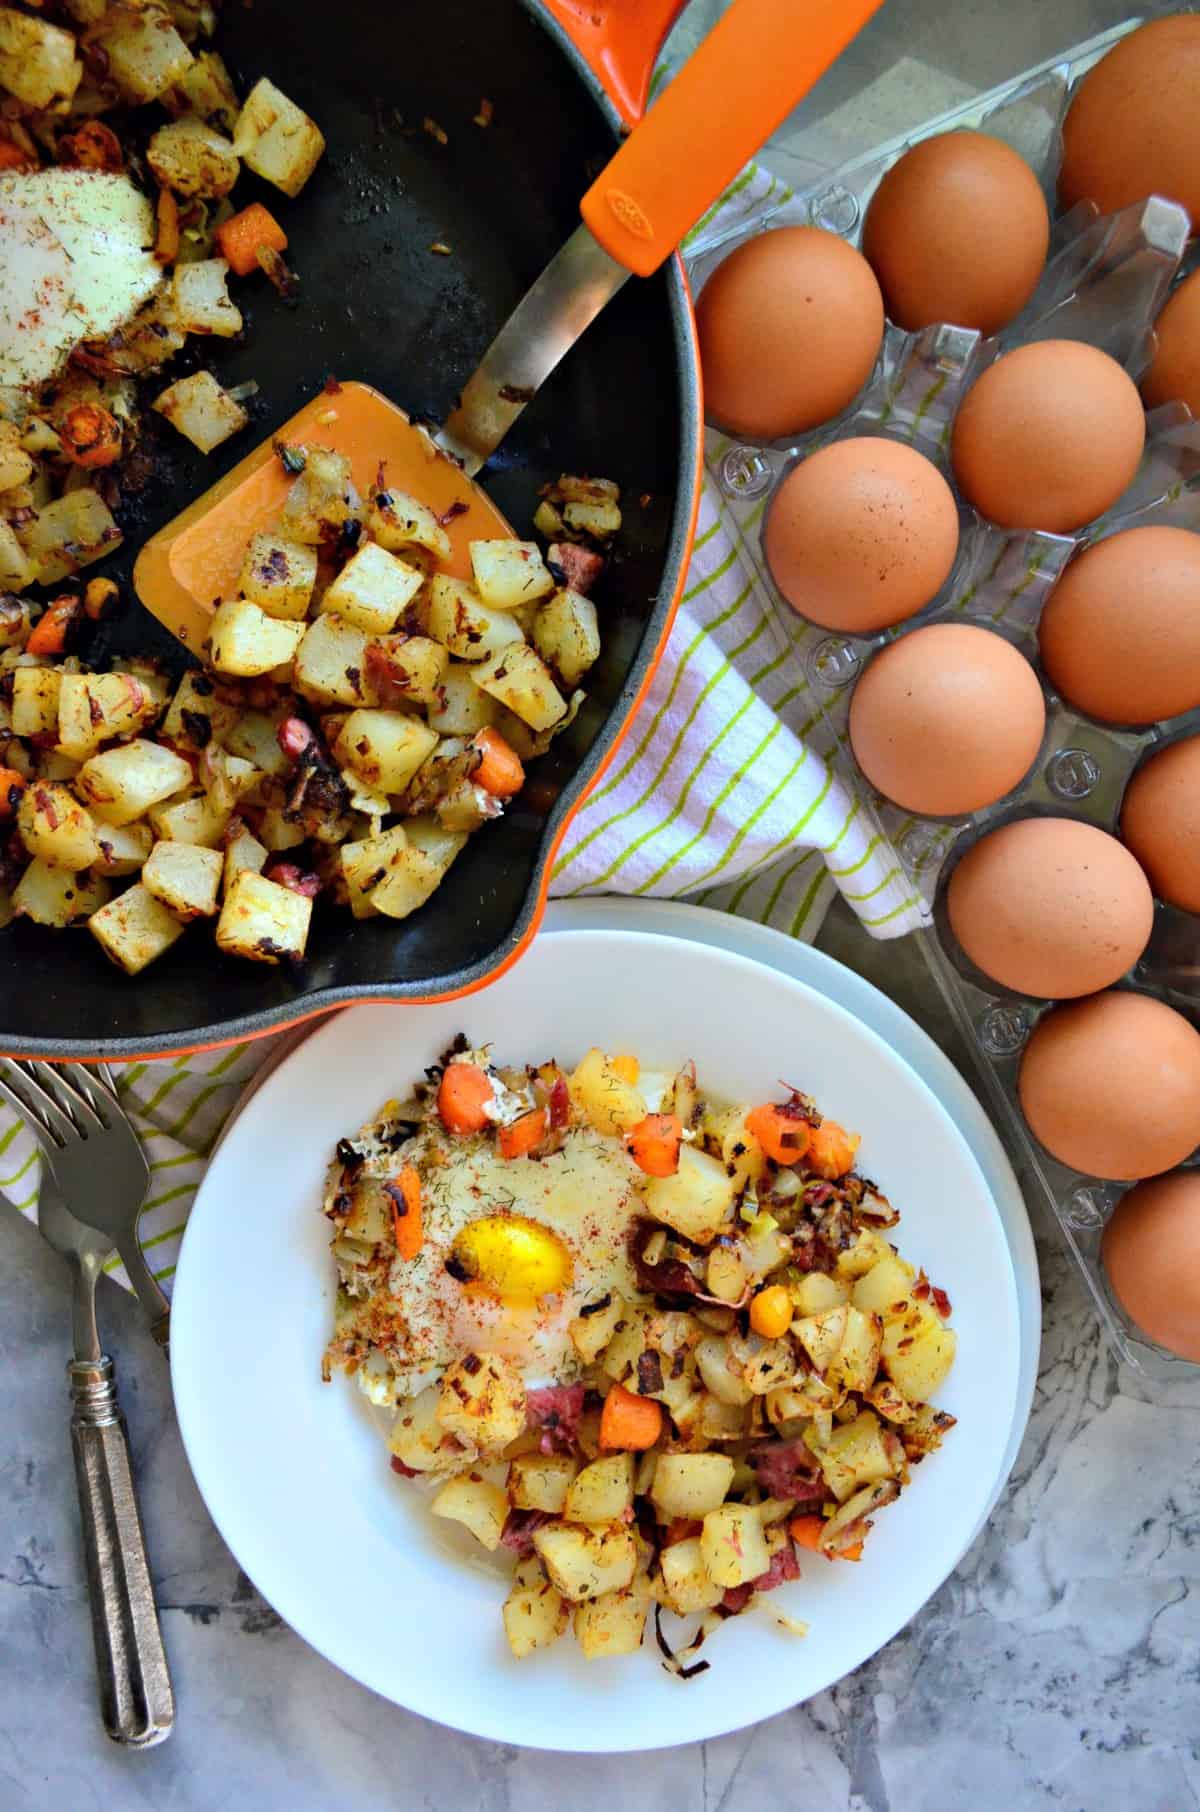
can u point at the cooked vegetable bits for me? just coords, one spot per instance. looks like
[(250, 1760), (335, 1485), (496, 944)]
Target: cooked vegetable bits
[(656, 1354), (346, 737)]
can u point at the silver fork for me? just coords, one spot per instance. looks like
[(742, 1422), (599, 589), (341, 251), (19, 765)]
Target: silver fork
[(137, 1702)]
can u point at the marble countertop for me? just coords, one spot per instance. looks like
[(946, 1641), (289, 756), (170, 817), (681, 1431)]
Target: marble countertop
[(1055, 1669)]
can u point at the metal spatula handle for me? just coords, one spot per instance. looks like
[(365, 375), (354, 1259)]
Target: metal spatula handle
[(137, 1703)]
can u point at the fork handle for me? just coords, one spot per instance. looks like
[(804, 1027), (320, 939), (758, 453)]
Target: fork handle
[(136, 1700)]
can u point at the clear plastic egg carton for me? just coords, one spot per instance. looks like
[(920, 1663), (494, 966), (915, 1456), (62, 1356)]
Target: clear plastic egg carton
[(1105, 281)]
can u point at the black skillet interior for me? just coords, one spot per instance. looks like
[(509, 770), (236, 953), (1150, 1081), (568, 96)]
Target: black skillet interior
[(378, 304)]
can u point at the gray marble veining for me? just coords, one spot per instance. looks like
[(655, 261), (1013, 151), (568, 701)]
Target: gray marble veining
[(1059, 1667)]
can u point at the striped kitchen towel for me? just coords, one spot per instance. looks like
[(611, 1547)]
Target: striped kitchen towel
[(725, 791)]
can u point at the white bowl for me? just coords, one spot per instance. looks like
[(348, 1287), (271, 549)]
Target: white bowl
[(296, 1476)]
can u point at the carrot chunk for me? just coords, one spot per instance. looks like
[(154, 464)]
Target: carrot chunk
[(12, 785), (781, 1132), (405, 1192), (629, 1423), (805, 1531), (654, 1144), (464, 1093), (520, 1136), (49, 633), (831, 1150), (240, 237), (500, 772)]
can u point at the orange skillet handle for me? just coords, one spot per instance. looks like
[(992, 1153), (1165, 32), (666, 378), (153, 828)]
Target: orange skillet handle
[(754, 66), (619, 39)]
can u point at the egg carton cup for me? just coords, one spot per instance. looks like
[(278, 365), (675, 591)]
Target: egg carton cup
[(1105, 280)]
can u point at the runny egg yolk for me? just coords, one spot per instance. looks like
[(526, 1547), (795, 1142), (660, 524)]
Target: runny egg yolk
[(510, 1257)]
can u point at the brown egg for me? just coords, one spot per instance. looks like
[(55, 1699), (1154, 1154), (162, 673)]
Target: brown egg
[(861, 534), (1174, 375), (1111, 1086), (957, 231), (1133, 126), (947, 719), (1120, 634), (1050, 907), (1151, 1252), (1048, 437), (790, 326), (1160, 822)]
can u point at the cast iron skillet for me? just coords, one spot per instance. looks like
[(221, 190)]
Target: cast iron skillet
[(377, 304)]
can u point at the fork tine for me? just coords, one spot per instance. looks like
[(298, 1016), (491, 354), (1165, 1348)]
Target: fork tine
[(26, 1109), (93, 1100), (54, 1116)]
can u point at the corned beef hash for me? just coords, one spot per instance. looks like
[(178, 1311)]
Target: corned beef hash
[(658, 1346)]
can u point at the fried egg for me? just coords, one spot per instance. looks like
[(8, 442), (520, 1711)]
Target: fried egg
[(512, 1251), (78, 263)]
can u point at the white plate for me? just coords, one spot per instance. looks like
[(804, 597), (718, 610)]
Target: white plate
[(294, 1473)]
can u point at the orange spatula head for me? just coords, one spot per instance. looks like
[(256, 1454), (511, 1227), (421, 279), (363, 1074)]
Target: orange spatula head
[(193, 563)]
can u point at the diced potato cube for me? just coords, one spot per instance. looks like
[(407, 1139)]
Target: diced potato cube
[(134, 929), (598, 519), (591, 1333), (603, 1491), (54, 826), (331, 664), (276, 139), (322, 498), (414, 666), (857, 1359), (584, 1563), (279, 575), (479, 1506), (866, 1252), (816, 1291), (185, 877), (373, 589), (821, 1335), (38, 61), (200, 300), (96, 707), (464, 710), (458, 618), (123, 848), (122, 784), (255, 737), (145, 54), (196, 715), (686, 1584), (418, 1439), (918, 1351), (241, 853), (68, 533), (206, 89), (614, 1623), (245, 641), (539, 1481), (534, 1617), (278, 831), (35, 700), (855, 1455), (690, 1484), (17, 569), (57, 896), (733, 1546), (520, 679), (365, 864), (509, 574), (482, 1400), (602, 1094), (399, 522), (384, 747), (885, 1286), (721, 1371), (411, 879), (434, 840), (262, 920), (696, 1201), (203, 412), (193, 158), (16, 466), (566, 633), (626, 1347), (198, 819)]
